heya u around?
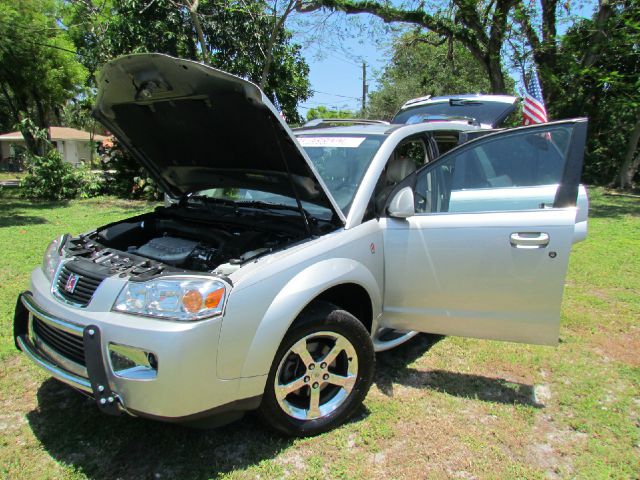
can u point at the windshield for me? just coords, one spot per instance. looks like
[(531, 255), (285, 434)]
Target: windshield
[(341, 160), (483, 111)]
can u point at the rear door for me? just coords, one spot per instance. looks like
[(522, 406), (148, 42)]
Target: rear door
[(487, 251)]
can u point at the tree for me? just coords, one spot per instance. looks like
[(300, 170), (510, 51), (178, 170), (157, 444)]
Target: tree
[(235, 35), (480, 27), (423, 65), (38, 67), (324, 112), (483, 28), (602, 81), (77, 113)]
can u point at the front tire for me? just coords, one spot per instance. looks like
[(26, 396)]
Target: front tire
[(321, 373)]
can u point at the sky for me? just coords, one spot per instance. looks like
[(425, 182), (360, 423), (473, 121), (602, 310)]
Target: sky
[(336, 64), (336, 79), (335, 61)]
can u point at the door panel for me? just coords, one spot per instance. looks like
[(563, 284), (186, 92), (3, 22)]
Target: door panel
[(487, 252), (459, 274)]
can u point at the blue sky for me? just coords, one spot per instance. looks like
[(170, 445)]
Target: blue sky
[(336, 68), (336, 78)]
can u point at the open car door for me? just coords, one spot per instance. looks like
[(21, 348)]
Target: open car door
[(485, 254)]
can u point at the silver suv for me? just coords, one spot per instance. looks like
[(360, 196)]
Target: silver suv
[(288, 259)]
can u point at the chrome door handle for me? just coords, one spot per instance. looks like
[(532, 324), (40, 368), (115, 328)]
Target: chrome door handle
[(529, 239)]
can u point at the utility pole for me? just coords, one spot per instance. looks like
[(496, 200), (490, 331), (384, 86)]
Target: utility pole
[(364, 87)]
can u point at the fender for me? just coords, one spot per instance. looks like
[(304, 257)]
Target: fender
[(294, 297)]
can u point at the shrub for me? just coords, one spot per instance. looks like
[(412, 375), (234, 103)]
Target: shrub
[(125, 177), (51, 178), (90, 183)]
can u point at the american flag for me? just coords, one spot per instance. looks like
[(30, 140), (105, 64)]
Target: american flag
[(276, 104), (533, 110)]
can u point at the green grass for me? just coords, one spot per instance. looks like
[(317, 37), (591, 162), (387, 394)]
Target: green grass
[(10, 175), (439, 408)]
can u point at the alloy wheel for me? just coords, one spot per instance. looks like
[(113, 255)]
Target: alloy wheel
[(316, 375)]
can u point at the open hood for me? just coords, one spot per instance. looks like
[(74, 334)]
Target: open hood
[(487, 110), (194, 127)]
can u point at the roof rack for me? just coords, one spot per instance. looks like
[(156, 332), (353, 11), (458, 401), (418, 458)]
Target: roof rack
[(330, 122)]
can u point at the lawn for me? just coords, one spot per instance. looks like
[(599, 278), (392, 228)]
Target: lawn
[(439, 408), (11, 176)]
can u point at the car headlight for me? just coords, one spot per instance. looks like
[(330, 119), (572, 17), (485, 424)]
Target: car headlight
[(173, 298), (52, 258)]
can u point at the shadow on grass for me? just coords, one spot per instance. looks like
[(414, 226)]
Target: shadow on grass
[(74, 432), (12, 211), (392, 367), (609, 205), (619, 209)]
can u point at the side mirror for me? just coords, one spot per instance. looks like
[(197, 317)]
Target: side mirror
[(402, 204)]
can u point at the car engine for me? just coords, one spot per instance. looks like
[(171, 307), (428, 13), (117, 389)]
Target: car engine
[(153, 243)]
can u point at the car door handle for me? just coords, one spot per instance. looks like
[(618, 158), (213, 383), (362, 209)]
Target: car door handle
[(529, 239)]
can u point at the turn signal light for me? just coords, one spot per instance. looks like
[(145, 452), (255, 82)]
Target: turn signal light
[(213, 299)]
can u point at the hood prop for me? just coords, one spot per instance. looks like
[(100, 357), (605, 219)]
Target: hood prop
[(303, 214)]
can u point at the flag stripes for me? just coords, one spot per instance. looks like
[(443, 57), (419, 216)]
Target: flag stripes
[(533, 109)]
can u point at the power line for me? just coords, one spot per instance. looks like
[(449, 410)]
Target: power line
[(337, 57), (336, 95)]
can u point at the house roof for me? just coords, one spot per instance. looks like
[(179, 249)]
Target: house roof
[(57, 134)]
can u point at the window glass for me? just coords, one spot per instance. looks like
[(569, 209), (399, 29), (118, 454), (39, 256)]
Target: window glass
[(513, 172), (405, 159), (341, 161)]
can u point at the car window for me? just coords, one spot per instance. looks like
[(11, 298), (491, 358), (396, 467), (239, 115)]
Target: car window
[(514, 172), (406, 158), (483, 111), (341, 161)]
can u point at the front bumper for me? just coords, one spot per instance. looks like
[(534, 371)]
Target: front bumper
[(25, 309), (185, 385)]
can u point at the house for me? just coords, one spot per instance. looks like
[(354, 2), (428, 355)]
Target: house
[(74, 146)]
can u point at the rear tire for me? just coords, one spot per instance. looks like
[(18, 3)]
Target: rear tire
[(321, 372)]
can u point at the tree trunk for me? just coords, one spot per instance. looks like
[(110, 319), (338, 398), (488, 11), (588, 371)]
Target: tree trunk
[(631, 161), (277, 26), (496, 76), (193, 13), (30, 141)]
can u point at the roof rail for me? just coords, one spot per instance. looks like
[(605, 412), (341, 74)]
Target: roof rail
[(330, 122)]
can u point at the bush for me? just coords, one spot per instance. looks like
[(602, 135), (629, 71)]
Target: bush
[(51, 178), (125, 177), (90, 184)]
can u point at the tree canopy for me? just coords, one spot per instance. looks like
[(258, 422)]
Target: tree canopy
[(422, 65), (39, 71), (236, 35), (602, 81), (324, 112), (50, 51)]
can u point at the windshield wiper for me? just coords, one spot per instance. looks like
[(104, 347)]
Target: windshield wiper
[(269, 205), (276, 206), (208, 200)]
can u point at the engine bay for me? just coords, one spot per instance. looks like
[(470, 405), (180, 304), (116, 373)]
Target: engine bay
[(177, 240)]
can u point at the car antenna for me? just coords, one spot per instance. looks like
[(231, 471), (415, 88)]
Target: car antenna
[(305, 219)]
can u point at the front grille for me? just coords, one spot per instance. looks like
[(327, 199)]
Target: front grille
[(85, 286), (66, 344)]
